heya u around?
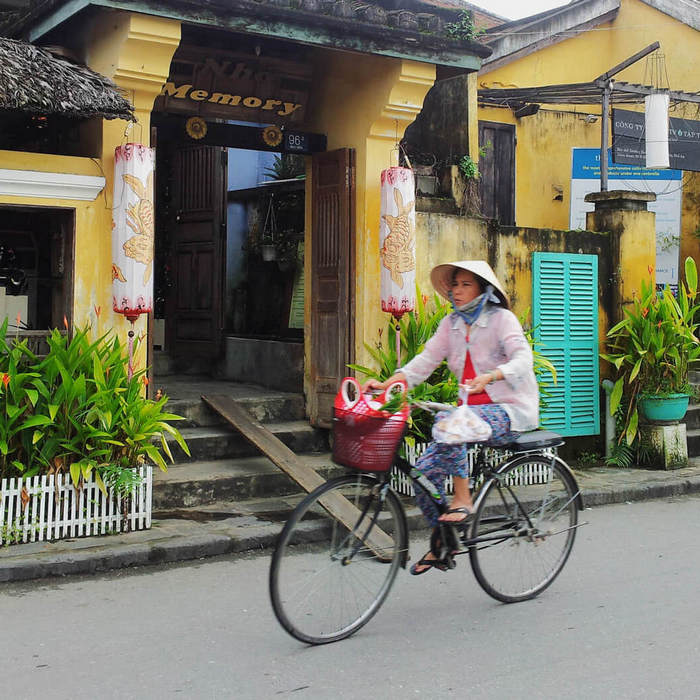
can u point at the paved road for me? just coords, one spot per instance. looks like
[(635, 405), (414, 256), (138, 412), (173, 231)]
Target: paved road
[(622, 621)]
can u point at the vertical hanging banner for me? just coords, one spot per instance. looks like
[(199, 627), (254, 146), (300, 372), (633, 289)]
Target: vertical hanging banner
[(397, 241), (656, 130), (133, 230)]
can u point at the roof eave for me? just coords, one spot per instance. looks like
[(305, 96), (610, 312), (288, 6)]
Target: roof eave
[(685, 11), (308, 28), (525, 36)]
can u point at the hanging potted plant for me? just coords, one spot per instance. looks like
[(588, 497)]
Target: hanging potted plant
[(268, 244), (653, 348)]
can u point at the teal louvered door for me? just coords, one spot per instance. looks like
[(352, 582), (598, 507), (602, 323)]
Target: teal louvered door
[(565, 318)]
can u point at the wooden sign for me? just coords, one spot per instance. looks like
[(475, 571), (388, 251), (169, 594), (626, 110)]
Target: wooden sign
[(227, 85)]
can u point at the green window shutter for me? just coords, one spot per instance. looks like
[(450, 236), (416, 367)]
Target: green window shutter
[(565, 317)]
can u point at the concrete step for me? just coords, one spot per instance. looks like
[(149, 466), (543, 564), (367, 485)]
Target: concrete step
[(205, 482), (692, 417), (266, 408), (693, 437), (214, 442), (254, 512)]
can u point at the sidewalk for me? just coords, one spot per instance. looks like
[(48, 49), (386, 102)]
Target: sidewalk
[(173, 539)]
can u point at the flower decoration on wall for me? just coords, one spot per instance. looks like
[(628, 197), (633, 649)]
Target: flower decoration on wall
[(196, 128), (272, 136)]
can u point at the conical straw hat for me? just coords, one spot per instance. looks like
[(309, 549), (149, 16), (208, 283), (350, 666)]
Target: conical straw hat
[(441, 277)]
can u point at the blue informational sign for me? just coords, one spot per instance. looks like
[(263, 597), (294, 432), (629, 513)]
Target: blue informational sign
[(667, 185), (586, 166)]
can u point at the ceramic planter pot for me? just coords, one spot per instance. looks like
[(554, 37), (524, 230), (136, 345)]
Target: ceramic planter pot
[(671, 407)]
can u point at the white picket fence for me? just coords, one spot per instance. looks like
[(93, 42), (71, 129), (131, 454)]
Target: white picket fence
[(53, 508), (534, 474)]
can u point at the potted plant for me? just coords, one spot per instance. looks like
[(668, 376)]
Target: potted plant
[(652, 349)]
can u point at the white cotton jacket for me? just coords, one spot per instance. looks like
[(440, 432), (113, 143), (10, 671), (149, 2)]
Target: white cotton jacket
[(496, 341)]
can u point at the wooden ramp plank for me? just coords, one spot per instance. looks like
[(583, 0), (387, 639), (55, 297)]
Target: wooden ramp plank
[(279, 454)]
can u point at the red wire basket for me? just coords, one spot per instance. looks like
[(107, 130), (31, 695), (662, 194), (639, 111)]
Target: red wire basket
[(365, 438)]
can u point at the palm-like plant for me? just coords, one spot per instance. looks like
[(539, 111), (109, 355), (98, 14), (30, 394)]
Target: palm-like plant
[(654, 346)]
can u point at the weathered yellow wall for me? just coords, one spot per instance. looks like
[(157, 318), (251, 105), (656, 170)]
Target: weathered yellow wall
[(634, 235), (365, 103), (444, 238), (88, 214), (545, 140)]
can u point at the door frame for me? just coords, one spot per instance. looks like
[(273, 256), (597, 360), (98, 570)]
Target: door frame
[(506, 128), (317, 385)]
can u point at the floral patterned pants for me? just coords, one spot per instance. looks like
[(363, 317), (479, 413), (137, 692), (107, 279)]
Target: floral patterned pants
[(441, 460)]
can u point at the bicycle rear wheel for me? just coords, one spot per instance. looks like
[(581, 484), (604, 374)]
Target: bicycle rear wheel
[(327, 579), (526, 522)]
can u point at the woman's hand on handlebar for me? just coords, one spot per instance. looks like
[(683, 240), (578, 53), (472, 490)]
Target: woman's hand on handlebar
[(375, 385)]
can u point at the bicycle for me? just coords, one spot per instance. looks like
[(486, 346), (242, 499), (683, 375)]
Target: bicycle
[(518, 539)]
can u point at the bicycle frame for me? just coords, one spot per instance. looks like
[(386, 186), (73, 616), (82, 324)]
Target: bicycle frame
[(488, 473)]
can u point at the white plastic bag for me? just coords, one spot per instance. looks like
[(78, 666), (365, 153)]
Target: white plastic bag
[(460, 425)]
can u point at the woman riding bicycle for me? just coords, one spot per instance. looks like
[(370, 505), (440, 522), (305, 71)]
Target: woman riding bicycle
[(485, 346)]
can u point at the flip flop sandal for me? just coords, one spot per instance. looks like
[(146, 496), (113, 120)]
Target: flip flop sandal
[(428, 564), (467, 512)]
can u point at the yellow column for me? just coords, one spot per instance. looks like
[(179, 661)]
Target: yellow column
[(625, 217), (135, 51), (365, 102), (403, 103)]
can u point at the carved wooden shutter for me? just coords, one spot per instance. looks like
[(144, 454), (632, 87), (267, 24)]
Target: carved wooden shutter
[(331, 296)]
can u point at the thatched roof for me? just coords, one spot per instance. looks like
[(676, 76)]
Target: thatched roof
[(33, 80)]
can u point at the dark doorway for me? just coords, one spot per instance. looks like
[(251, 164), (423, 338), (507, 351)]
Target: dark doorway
[(195, 255), (497, 168), (36, 268)]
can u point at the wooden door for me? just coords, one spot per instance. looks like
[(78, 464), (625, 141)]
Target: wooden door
[(194, 307), (333, 179), (497, 168)]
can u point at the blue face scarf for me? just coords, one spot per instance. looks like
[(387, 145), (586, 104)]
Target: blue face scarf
[(472, 310)]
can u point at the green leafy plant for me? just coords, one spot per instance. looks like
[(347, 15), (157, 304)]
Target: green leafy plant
[(653, 347), (463, 27), (587, 460), (468, 168), (545, 371), (77, 411), (286, 166)]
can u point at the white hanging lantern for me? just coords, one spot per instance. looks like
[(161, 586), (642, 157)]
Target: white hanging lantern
[(133, 230), (397, 241), (656, 130)]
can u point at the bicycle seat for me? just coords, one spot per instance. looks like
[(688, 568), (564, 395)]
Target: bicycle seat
[(534, 440)]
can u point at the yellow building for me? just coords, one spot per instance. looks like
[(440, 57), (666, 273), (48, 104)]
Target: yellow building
[(219, 93), (532, 146)]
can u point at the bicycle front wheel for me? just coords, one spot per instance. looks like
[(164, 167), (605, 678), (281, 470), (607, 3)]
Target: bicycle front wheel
[(330, 573), (524, 527)]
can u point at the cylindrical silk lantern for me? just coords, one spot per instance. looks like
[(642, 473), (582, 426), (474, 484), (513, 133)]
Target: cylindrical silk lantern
[(132, 230), (397, 241), (656, 130)]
